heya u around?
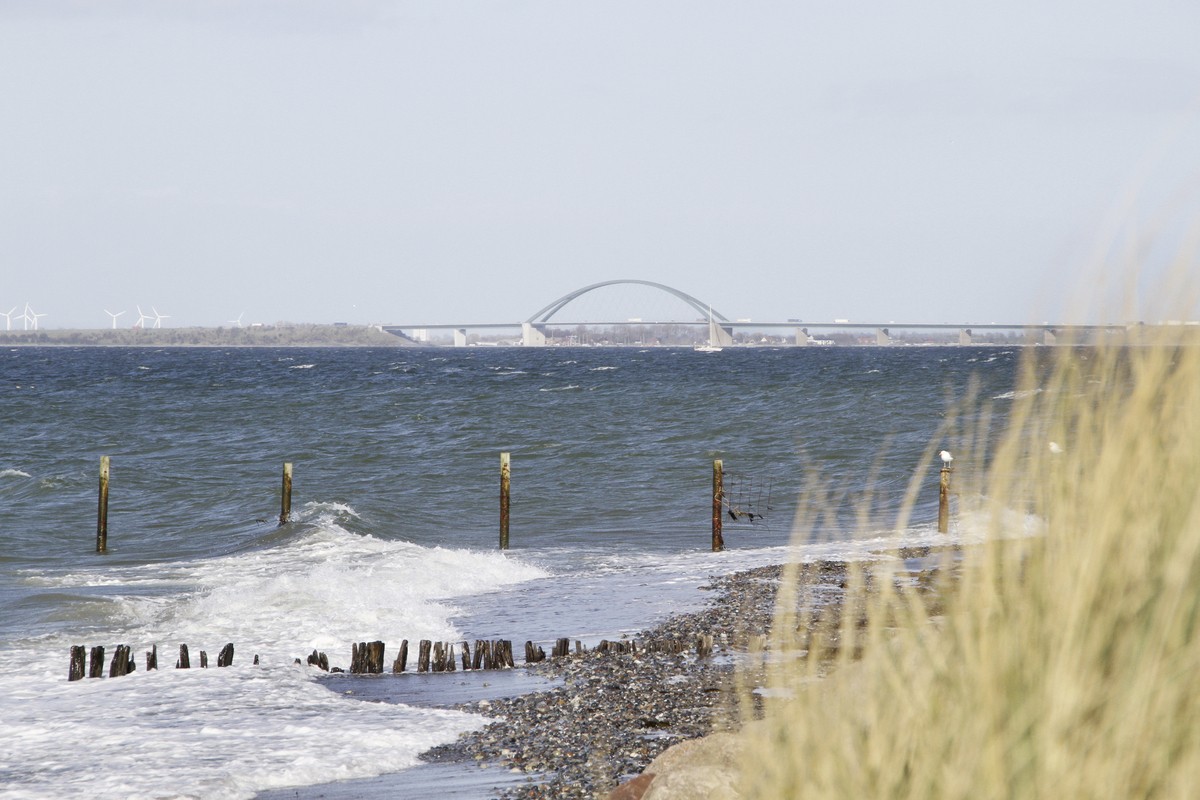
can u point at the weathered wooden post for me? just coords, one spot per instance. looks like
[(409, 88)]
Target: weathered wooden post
[(185, 661), (944, 501), (77, 663), (96, 662), (285, 501), (102, 511), (718, 489), (504, 486), (225, 657), (122, 662), (483, 655)]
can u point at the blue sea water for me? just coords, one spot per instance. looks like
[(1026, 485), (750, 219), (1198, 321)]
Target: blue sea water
[(395, 525)]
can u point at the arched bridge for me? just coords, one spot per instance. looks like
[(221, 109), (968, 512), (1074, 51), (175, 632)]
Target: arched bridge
[(721, 327), (543, 315), (533, 329)]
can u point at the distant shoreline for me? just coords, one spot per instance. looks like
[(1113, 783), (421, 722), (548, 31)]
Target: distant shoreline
[(297, 335)]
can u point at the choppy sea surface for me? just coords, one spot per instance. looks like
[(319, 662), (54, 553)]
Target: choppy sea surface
[(394, 532)]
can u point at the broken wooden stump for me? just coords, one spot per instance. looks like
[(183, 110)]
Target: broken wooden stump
[(366, 658), (423, 655), (506, 655), (185, 661), (225, 657), (401, 658), (203, 660), (122, 662), (534, 653), (319, 660), (77, 663), (96, 662)]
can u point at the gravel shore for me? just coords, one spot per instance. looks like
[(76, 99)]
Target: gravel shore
[(578, 726), (612, 713)]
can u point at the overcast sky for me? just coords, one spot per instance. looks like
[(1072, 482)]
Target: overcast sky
[(396, 162)]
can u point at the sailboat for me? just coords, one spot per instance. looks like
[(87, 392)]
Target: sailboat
[(714, 336)]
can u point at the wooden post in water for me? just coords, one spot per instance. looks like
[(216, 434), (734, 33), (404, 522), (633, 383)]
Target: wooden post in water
[(944, 501), (718, 489), (285, 502), (78, 660), (102, 511), (504, 486), (96, 662)]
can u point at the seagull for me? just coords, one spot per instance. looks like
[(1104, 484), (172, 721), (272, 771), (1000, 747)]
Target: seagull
[(946, 458), (1055, 448)]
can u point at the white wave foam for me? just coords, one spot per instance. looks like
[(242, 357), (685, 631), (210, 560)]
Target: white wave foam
[(232, 732), (566, 388), (1017, 394), (225, 733), (13, 473)]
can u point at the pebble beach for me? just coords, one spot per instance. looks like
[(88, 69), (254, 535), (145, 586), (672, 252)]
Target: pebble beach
[(578, 726)]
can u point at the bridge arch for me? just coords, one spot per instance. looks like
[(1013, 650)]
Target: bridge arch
[(543, 315)]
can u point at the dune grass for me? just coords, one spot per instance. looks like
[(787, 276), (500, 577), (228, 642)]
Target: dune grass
[(1055, 660)]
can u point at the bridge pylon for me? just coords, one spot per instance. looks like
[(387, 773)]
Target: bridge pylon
[(532, 335)]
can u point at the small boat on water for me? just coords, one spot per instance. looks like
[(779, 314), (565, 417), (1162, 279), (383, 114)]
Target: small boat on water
[(714, 336)]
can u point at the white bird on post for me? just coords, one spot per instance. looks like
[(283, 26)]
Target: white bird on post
[(946, 458)]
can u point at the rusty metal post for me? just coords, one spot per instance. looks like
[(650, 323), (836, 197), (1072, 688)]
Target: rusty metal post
[(285, 503), (944, 501), (718, 495), (102, 510), (504, 502)]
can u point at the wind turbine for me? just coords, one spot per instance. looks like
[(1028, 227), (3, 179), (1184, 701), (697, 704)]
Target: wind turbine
[(31, 316), (158, 318), (114, 317), (238, 321), (8, 318), (141, 322)]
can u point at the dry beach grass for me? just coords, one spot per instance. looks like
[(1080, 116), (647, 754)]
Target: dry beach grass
[(1064, 659)]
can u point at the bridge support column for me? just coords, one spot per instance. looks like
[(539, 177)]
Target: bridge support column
[(802, 337), (882, 336), (460, 337), (532, 336), (965, 336)]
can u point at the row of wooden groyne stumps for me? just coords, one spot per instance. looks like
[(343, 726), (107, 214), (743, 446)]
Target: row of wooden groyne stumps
[(368, 658)]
